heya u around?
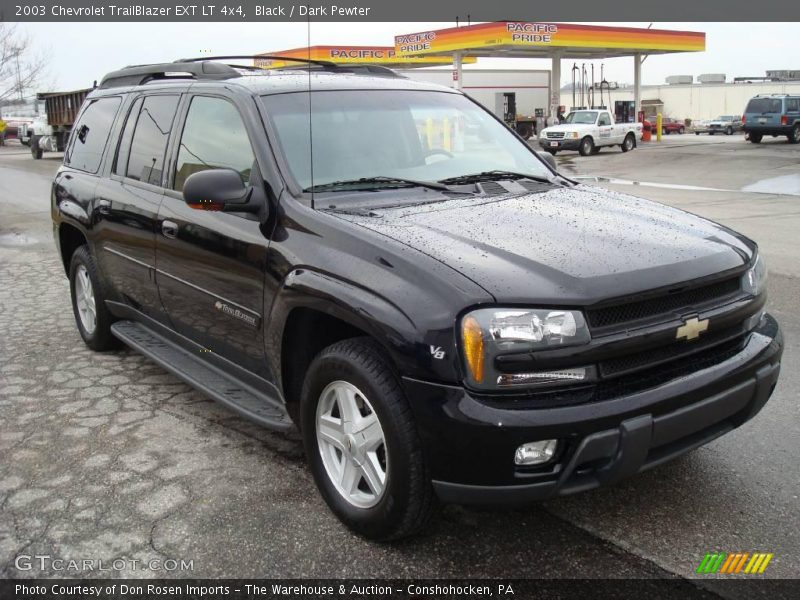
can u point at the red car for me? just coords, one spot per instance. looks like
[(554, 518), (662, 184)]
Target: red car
[(672, 126)]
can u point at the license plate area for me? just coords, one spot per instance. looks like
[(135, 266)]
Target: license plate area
[(554, 144)]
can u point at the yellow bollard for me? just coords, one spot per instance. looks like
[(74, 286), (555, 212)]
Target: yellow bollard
[(659, 127), (446, 134), (429, 132)]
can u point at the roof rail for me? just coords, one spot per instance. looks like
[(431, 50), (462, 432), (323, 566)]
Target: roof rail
[(139, 74)]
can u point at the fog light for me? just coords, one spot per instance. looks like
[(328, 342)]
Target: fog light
[(535, 453)]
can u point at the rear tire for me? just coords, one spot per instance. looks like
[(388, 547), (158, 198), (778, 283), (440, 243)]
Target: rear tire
[(586, 147), (88, 303), (794, 136), (681, 131), (629, 143), (349, 384), (697, 133), (755, 138)]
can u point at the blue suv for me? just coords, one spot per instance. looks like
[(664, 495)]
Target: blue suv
[(772, 114)]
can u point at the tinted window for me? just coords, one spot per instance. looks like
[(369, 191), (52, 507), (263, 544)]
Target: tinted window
[(764, 105), (90, 134), (146, 158), (121, 163), (214, 137), (792, 104)]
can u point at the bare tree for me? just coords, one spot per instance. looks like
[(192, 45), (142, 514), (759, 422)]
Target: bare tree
[(21, 68)]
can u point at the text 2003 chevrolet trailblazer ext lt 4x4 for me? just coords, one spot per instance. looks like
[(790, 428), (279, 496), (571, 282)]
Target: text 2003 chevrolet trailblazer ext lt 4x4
[(441, 313)]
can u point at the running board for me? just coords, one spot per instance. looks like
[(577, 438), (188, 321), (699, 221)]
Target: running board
[(222, 387)]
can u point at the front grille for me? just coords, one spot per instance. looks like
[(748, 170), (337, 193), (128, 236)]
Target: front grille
[(666, 306), (555, 135), (615, 367)]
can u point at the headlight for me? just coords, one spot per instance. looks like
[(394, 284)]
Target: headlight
[(755, 280), (489, 332), (572, 134)]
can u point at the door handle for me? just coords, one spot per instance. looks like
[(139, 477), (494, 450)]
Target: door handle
[(104, 206), (169, 229)]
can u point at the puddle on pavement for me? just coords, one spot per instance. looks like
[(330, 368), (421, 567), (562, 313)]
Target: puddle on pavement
[(785, 185), (16, 239)]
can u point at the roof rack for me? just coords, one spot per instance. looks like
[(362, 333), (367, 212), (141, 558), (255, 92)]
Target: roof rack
[(206, 67)]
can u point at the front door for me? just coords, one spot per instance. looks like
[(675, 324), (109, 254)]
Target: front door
[(211, 265)]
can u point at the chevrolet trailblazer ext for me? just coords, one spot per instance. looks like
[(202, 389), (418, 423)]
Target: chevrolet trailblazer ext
[(442, 315)]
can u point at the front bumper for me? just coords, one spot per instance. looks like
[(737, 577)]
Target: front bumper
[(571, 144), (470, 443)]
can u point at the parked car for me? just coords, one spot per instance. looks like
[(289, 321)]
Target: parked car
[(672, 126), (443, 315), (587, 131), (727, 124), (774, 114)]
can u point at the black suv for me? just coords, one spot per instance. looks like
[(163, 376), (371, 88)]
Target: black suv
[(386, 265)]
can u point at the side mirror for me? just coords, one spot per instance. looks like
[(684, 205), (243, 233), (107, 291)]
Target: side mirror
[(218, 189), (546, 157)]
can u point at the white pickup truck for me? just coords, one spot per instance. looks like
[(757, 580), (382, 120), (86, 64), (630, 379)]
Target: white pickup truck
[(589, 130)]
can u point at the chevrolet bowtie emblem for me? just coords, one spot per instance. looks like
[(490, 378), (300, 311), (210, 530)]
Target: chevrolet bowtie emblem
[(691, 329)]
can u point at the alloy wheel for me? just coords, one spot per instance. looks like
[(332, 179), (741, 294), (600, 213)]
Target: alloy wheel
[(84, 299), (352, 444)]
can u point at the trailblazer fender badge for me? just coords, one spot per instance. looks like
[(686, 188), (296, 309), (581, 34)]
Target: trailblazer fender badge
[(691, 329), (232, 311)]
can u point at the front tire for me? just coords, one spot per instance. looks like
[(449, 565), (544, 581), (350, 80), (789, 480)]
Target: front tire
[(729, 131), (88, 303), (587, 146), (36, 151), (362, 444), (681, 131)]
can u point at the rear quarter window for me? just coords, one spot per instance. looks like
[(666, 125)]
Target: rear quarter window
[(90, 134)]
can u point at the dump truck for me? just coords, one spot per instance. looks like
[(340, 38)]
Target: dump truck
[(50, 132)]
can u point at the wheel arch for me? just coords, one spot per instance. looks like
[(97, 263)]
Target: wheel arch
[(314, 310), (70, 238)]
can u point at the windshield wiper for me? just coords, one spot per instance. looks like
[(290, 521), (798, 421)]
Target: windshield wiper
[(377, 183), (491, 176)]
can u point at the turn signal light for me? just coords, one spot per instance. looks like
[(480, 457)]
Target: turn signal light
[(784, 120), (472, 336)]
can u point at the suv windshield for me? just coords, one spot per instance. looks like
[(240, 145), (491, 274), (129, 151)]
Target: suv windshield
[(407, 134), (764, 105), (585, 117)]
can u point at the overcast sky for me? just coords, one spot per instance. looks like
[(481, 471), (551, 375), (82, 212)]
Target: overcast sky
[(80, 53)]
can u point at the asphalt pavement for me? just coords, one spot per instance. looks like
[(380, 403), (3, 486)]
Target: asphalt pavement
[(106, 456)]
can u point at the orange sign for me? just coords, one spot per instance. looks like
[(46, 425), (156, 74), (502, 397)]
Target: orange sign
[(375, 55)]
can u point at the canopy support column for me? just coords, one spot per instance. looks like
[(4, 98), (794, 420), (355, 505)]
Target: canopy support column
[(637, 84), (555, 84), (458, 74)]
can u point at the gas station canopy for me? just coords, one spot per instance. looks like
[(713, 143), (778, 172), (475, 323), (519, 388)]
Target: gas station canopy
[(543, 40), (356, 55)]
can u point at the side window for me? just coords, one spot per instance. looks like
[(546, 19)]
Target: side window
[(213, 137), (604, 119), (149, 143), (792, 104), (121, 162), (90, 134)]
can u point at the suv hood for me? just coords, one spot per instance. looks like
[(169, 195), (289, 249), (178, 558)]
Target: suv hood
[(575, 245)]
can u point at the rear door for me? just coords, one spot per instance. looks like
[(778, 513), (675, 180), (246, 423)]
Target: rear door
[(792, 110), (766, 112), (128, 201), (211, 265)]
